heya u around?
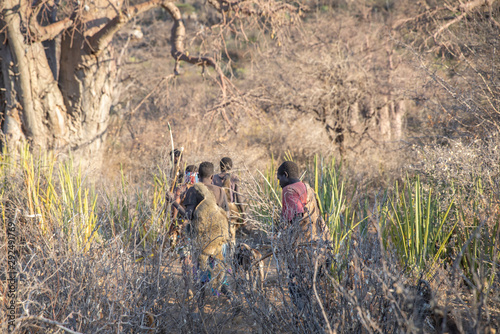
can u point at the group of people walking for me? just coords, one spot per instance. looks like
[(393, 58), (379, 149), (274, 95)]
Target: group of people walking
[(208, 208)]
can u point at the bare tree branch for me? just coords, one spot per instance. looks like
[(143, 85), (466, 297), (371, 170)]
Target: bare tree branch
[(219, 5), (465, 8), (104, 36), (47, 321), (251, 11), (447, 25), (44, 33), (429, 12), (178, 37), (318, 299), (16, 40), (475, 3)]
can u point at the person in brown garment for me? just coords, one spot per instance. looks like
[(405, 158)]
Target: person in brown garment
[(231, 185), (230, 182), (201, 209), (192, 199)]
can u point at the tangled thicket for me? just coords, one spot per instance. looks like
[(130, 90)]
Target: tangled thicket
[(119, 276)]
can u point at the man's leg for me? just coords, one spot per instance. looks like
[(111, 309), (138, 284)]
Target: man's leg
[(203, 278), (187, 273)]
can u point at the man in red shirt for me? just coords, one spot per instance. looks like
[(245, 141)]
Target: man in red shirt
[(303, 232), (294, 194), (300, 206)]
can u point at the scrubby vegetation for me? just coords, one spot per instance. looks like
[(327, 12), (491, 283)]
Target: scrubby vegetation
[(390, 108), (420, 255)]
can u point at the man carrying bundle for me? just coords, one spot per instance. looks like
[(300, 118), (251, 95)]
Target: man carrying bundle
[(193, 198), (207, 208)]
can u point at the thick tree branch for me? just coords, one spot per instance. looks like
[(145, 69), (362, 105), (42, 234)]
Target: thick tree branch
[(103, 37), (251, 11), (44, 33), (177, 40), (220, 6), (244, 7), (18, 48), (465, 8), (475, 3)]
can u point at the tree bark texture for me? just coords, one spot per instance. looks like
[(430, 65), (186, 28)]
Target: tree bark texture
[(51, 111), (61, 100)]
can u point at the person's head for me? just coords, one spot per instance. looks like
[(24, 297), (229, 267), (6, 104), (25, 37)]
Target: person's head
[(177, 155), (288, 173), (191, 169), (206, 170), (191, 174), (226, 164)]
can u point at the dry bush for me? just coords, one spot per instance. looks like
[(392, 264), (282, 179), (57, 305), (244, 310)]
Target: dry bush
[(455, 45), (312, 89), (367, 86), (115, 286), (111, 285), (106, 291), (368, 293)]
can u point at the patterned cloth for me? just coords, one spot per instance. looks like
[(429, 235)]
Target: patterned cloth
[(193, 198), (205, 276), (191, 178)]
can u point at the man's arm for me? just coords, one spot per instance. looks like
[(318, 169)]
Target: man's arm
[(179, 209), (238, 198), (176, 199), (190, 203), (223, 200)]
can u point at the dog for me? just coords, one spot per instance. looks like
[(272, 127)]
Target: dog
[(249, 260)]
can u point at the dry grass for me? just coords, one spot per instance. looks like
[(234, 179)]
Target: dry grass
[(113, 285)]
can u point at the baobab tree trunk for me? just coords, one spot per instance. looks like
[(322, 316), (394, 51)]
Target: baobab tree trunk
[(60, 104), (88, 90), (11, 126), (34, 105), (384, 120)]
